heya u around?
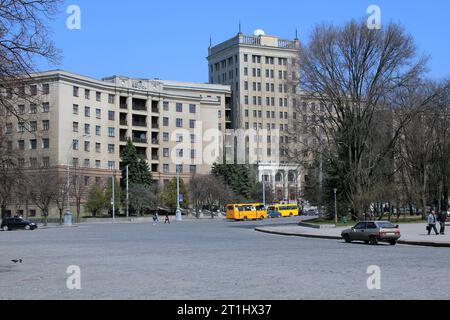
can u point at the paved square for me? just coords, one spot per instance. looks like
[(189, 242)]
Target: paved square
[(211, 260)]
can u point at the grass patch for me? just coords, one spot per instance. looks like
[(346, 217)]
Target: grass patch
[(351, 223)]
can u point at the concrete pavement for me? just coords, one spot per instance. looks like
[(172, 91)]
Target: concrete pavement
[(412, 234)]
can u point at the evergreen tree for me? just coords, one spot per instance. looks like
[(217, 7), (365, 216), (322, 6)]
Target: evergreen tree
[(239, 177), (168, 196), (138, 169)]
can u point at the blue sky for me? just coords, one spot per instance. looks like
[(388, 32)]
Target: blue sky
[(169, 39)]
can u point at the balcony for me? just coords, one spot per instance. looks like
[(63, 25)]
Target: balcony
[(123, 122), (155, 141), (139, 140), (123, 138), (139, 124), (123, 106), (155, 157)]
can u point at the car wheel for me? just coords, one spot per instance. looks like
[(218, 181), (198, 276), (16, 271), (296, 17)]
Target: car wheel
[(373, 240), (366, 242), (27, 228), (393, 242), (5, 228), (347, 238)]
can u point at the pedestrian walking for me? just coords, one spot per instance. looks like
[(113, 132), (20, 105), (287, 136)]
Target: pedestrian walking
[(155, 218), (442, 219), (432, 222), (167, 220)]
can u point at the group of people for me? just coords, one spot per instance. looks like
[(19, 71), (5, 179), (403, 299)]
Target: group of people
[(433, 219), (156, 219)]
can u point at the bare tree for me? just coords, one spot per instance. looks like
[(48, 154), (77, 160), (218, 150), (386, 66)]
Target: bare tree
[(62, 188), (24, 37), (44, 190), (351, 78), (78, 190), (142, 197)]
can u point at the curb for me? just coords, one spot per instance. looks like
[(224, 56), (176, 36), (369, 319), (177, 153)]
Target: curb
[(305, 235)]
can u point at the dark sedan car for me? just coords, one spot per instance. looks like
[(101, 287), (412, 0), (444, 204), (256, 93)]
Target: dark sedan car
[(273, 214), (17, 223), (373, 232)]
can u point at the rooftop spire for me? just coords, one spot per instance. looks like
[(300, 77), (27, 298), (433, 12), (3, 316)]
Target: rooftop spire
[(240, 27)]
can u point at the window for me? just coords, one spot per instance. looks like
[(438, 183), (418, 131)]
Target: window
[(111, 165), (179, 137), (246, 99), (111, 98), (245, 71), (245, 57), (33, 163), (165, 168), (33, 144), (21, 127), (45, 107), (33, 109), (45, 125), (166, 152), (111, 148), (179, 153), (87, 111), (46, 162), (98, 165), (9, 128), (87, 146), (87, 129), (193, 154), (98, 147), (33, 126), (111, 132), (192, 124), (98, 96), (75, 162), (75, 109), (98, 113), (75, 126), (179, 123), (21, 145), (111, 115), (98, 130), (166, 106), (165, 136), (33, 90), (192, 108), (193, 138), (193, 169), (21, 109), (46, 88), (179, 107), (165, 122)]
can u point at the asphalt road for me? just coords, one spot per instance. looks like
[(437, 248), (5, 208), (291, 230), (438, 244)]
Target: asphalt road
[(211, 260)]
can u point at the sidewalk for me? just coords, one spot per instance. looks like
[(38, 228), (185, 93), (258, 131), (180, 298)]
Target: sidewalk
[(412, 234)]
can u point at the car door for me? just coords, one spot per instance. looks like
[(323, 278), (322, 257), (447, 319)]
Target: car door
[(358, 231), (371, 229)]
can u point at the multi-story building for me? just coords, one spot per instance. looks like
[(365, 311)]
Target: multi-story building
[(261, 71), (76, 121)]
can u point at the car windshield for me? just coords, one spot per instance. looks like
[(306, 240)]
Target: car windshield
[(386, 225)]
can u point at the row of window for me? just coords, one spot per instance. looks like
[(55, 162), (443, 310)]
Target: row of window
[(179, 153), (97, 165), (33, 90), (32, 144), (270, 87), (98, 129), (179, 137), (98, 95), (87, 146), (179, 123), (179, 168), (259, 126), (33, 109), (268, 60), (269, 114), (270, 101), (31, 126), (179, 107), (98, 112)]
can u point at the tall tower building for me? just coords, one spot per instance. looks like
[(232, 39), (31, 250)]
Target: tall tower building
[(260, 69)]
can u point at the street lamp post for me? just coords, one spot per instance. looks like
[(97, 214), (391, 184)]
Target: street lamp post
[(264, 190), (113, 200), (335, 207), (178, 212), (128, 210)]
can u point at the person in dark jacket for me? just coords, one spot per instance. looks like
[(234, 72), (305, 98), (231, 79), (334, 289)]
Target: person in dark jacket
[(442, 220), (431, 220)]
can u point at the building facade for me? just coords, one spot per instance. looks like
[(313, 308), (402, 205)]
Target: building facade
[(261, 71), (76, 121)]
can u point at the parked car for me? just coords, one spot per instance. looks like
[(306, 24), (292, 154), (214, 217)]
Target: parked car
[(273, 214), (373, 232), (17, 223), (311, 212)]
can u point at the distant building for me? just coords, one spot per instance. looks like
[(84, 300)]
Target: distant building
[(83, 122)]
